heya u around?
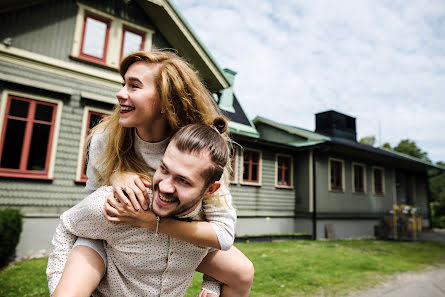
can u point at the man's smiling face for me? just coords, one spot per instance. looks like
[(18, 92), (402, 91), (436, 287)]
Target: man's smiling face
[(178, 185)]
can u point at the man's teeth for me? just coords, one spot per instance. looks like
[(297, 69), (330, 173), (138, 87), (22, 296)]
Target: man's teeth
[(165, 199), (126, 108)]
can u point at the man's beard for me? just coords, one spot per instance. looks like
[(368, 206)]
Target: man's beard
[(181, 208)]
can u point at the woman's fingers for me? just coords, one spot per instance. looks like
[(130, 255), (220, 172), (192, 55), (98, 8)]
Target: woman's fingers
[(146, 183), (132, 197), (141, 194), (120, 194)]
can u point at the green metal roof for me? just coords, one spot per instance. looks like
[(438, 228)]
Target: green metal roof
[(242, 129)]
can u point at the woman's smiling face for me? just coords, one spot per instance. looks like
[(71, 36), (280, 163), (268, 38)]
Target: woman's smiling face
[(140, 103)]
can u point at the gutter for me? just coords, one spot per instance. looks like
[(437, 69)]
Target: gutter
[(314, 199)]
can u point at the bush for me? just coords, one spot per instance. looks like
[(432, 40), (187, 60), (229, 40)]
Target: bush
[(11, 222)]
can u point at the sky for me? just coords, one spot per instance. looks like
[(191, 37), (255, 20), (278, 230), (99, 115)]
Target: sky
[(382, 62)]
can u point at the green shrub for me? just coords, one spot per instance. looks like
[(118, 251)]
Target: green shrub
[(11, 222)]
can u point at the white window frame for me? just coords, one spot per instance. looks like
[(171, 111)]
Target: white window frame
[(80, 156), (260, 168), (4, 99), (353, 177), (383, 181), (291, 171), (114, 45), (342, 175)]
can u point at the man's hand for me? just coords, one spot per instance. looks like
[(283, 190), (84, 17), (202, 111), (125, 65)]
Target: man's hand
[(115, 211), (205, 293), (130, 187)]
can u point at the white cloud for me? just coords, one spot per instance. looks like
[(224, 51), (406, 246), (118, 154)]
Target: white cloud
[(379, 61)]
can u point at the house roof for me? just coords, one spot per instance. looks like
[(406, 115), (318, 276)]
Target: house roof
[(179, 33), (313, 139)]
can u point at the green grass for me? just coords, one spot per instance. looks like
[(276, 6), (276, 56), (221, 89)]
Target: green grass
[(287, 268)]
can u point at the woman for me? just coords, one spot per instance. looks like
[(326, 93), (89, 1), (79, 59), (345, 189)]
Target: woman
[(161, 94)]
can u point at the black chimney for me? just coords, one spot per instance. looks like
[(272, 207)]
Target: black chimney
[(334, 124)]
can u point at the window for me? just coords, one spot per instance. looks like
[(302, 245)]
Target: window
[(28, 133), (92, 117), (283, 171), (336, 174), (104, 39), (95, 38), (378, 180), (132, 41), (359, 178), (233, 176), (251, 167)]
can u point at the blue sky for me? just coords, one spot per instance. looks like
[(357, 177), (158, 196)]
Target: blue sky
[(382, 62)]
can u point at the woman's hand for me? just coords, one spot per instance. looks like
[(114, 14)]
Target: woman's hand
[(205, 293), (116, 211), (130, 187)]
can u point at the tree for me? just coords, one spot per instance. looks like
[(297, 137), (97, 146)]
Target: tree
[(386, 145), (410, 147), (369, 140)]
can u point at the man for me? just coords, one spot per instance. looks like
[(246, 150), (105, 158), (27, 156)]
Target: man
[(142, 262)]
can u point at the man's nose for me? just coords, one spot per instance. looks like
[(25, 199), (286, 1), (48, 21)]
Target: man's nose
[(166, 186)]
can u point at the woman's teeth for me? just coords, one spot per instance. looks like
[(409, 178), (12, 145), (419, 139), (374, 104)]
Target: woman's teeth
[(126, 108)]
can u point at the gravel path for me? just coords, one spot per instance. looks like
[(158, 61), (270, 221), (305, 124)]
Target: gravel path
[(426, 283)]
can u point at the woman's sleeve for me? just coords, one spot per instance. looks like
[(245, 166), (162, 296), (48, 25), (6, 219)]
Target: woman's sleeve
[(221, 215), (97, 146)]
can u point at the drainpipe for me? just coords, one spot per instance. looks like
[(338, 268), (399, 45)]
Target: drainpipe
[(428, 200), (314, 200)]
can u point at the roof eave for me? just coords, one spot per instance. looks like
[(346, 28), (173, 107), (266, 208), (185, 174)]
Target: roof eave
[(179, 34)]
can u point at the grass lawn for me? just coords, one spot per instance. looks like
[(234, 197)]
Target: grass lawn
[(288, 268)]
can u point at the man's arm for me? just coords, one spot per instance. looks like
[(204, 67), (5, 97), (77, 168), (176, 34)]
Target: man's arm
[(83, 220)]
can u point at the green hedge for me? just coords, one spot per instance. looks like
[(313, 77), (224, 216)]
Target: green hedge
[(11, 222)]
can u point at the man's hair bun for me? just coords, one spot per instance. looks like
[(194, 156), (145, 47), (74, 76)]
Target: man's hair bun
[(220, 123)]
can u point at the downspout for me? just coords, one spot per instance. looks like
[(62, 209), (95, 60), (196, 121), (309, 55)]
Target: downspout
[(428, 201), (314, 200)]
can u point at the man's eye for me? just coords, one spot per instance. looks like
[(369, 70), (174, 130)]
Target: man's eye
[(183, 181), (163, 169), (135, 86)]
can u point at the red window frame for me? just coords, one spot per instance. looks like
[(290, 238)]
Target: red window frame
[(90, 58), (125, 29), (83, 175), (284, 166), (251, 159), (336, 175), (378, 181), (359, 180), (26, 144)]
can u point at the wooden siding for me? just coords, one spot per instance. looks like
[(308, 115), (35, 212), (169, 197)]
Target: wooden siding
[(276, 135), (264, 200), (48, 29), (347, 202), (301, 181)]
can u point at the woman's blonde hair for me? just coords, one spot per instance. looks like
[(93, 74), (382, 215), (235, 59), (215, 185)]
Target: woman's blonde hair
[(184, 100)]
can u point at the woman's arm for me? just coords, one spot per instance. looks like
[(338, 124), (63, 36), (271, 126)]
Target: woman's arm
[(196, 232)]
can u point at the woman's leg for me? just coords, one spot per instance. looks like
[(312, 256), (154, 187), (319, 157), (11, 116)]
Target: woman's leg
[(82, 273), (231, 268)]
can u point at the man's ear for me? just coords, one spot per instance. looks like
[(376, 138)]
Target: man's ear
[(212, 188)]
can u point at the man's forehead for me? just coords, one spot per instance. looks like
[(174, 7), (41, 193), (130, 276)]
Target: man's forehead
[(187, 163)]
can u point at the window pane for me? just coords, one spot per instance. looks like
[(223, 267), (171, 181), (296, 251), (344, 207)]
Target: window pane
[(12, 146), (94, 38), (19, 108), (132, 43), (287, 176), (254, 172), (94, 120), (280, 176), (246, 171), (39, 146), (44, 112)]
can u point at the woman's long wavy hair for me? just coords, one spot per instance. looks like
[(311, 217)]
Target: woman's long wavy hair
[(184, 100)]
